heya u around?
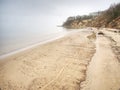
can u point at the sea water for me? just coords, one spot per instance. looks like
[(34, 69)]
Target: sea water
[(16, 37)]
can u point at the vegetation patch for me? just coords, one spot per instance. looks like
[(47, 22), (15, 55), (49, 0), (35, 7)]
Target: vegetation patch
[(92, 36)]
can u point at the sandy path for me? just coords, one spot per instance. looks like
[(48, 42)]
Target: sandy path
[(58, 65), (104, 70)]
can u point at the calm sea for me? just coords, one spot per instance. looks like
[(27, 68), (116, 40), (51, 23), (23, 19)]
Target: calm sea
[(17, 36)]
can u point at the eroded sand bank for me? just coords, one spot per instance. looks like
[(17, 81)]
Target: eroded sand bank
[(104, 69)]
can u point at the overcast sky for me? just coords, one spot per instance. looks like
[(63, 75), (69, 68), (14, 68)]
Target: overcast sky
[(60, 9)]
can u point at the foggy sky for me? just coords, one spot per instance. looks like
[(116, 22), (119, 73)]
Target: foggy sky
[(60, 9)]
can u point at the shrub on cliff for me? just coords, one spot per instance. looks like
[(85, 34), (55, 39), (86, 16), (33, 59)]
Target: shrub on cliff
[(70, 20), (97, 19), (112, 13)]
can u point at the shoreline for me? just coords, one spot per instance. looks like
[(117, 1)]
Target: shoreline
[(22, 49)]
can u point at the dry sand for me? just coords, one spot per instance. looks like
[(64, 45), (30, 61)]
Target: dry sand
[(78, 61), (58, 65), (104, 70)]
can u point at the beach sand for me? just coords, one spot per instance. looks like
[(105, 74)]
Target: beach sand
[(81, 60), (57, 65)]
